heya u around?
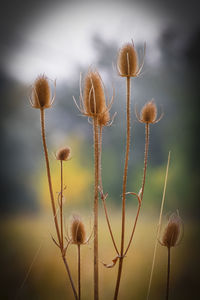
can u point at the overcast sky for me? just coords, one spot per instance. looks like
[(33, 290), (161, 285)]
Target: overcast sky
[(54, 36)]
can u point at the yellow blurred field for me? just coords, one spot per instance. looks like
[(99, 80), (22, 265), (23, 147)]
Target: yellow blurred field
[(24, 237)]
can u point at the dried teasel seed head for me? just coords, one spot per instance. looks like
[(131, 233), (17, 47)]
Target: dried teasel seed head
[(104, 118), (41, 93), (172, 232), (94, 96), (149, 112), (63, 154), (78, 233), (127, 61)]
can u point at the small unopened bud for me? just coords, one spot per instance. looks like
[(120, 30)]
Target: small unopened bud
[(148, 113), (172, 232), (63, 154), (127, 61), (41, 93), (94, 96), (78, 233)]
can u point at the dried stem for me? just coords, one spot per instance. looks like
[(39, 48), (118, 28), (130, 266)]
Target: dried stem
[(70, 277), (79, 272), (135, 223), (53, 201), (103, 197), (159, 227), (128, 133), (168, 273), (96, 173), (145, 157), (61, 202), (49, 174)]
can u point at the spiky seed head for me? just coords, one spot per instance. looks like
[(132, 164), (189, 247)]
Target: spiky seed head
[(149, 112), (171, 235), (94, 96), (127, 61), (41, 93), (63, 154), (104, 118), (78, 233)]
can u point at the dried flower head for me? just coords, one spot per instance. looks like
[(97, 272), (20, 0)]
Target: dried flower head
[(41, 93), (92, 100), (172, 233), (63, 154), (127, 62), (148, 114), (94, 96), (78, 234)]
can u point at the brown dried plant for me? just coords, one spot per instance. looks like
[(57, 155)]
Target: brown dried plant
[(41, 99), (94, 105), (78, 237), (171, 238)]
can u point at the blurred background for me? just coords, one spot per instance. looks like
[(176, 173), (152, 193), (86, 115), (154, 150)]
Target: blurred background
[(63, 39)]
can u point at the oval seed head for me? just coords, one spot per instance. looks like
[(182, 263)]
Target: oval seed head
[(41, 93), (63, 154), (171, 235), (78, 234), (94, 97), (104, 118), (149, 112), (127, 61)]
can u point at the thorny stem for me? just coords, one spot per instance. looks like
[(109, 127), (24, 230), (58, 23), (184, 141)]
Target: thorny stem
[(52, 199), (96, 171), (79, 272), (145, 157), (168, 273), (128, 133), (103, 197), (61, 201)]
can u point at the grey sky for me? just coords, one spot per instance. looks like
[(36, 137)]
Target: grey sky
[(52, 37)]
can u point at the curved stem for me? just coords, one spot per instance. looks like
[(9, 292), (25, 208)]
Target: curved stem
[(79, 272), (133, 231), (61, 202), (96, 173), (49, 174), (168, 274), (128, 133), (145, 157), (103, 197), (53, 201), (108, 223)]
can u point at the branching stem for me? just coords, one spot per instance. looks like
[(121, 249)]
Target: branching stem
[(128, 133), (53, 201)]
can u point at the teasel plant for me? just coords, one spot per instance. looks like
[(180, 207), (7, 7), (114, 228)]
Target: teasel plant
[(95, 106), (78, 237), (40, 98), (171, 237), (128, 67)]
